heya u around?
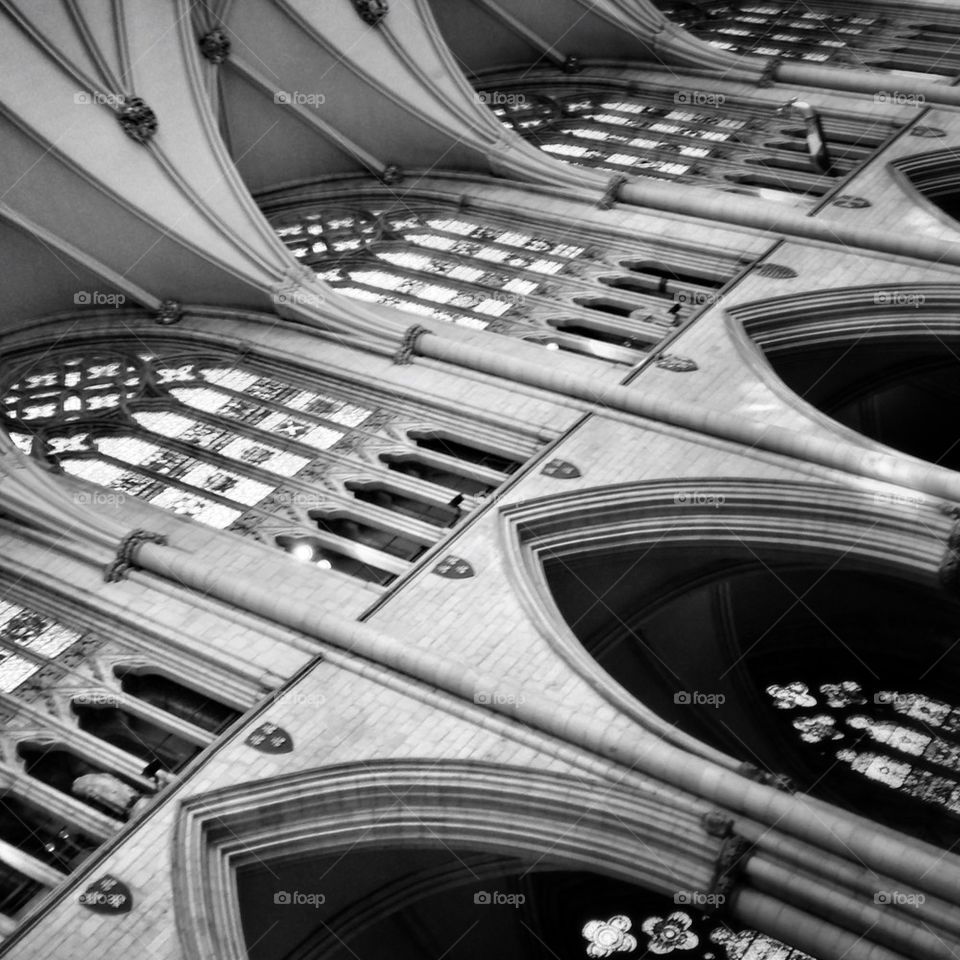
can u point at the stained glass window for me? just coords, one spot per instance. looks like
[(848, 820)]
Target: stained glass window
[(488, 272), (684, 935), (684, 136), (905, 741), (162, 429), (822, 31), (35, 633), (230, 445)]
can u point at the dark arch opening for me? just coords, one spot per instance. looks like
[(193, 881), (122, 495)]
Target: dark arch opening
[(16, 890), (157, 747), (405, 504), (702, 640), (420, 468), (898, 392), (178, 700), (408, 904), (618, 338), (615, 308), (369, 534), (41, 834), (459, 449)]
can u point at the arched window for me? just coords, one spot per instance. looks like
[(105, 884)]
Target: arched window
[(29, 641), (685, 136), (233, 445), (853, 33), (176, 699), (497, 271), (542, 913), (158, 748), (793, 634)]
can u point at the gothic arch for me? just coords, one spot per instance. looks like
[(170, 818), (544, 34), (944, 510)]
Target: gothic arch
[(879, 534), (507, 812), (887, 354)]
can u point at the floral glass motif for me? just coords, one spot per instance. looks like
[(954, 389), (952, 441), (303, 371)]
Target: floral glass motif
[(34, 632), (842, 694), (681, 935), (670, 933), (818, 728), (205, 438), (607, 937), (790, 696), (905, 741)]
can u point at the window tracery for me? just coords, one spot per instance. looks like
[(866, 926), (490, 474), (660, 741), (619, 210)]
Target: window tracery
[(490, 272), (685, 136), (54, 670), (906, 741), (233, 446), (857, 34), (683, 935), (36, 634)]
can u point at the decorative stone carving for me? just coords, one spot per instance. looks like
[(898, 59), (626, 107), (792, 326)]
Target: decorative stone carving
[(776, 271), (170, 311), (372, 11), (107, 895), (409, 344), (139, 122), (767, 78), (127, 552), (269, 738), (717, 823), (561, 469), (391, 174), (851, 202), (612, 193), (106, 789), (778, 781), (731, 860), (929, 133), (675, 363), (454, 568), (215, 45)]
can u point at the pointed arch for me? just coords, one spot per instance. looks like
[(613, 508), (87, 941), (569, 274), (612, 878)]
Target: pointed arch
[(873, 532), (508, 812), (876, 363), (626, 581)]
